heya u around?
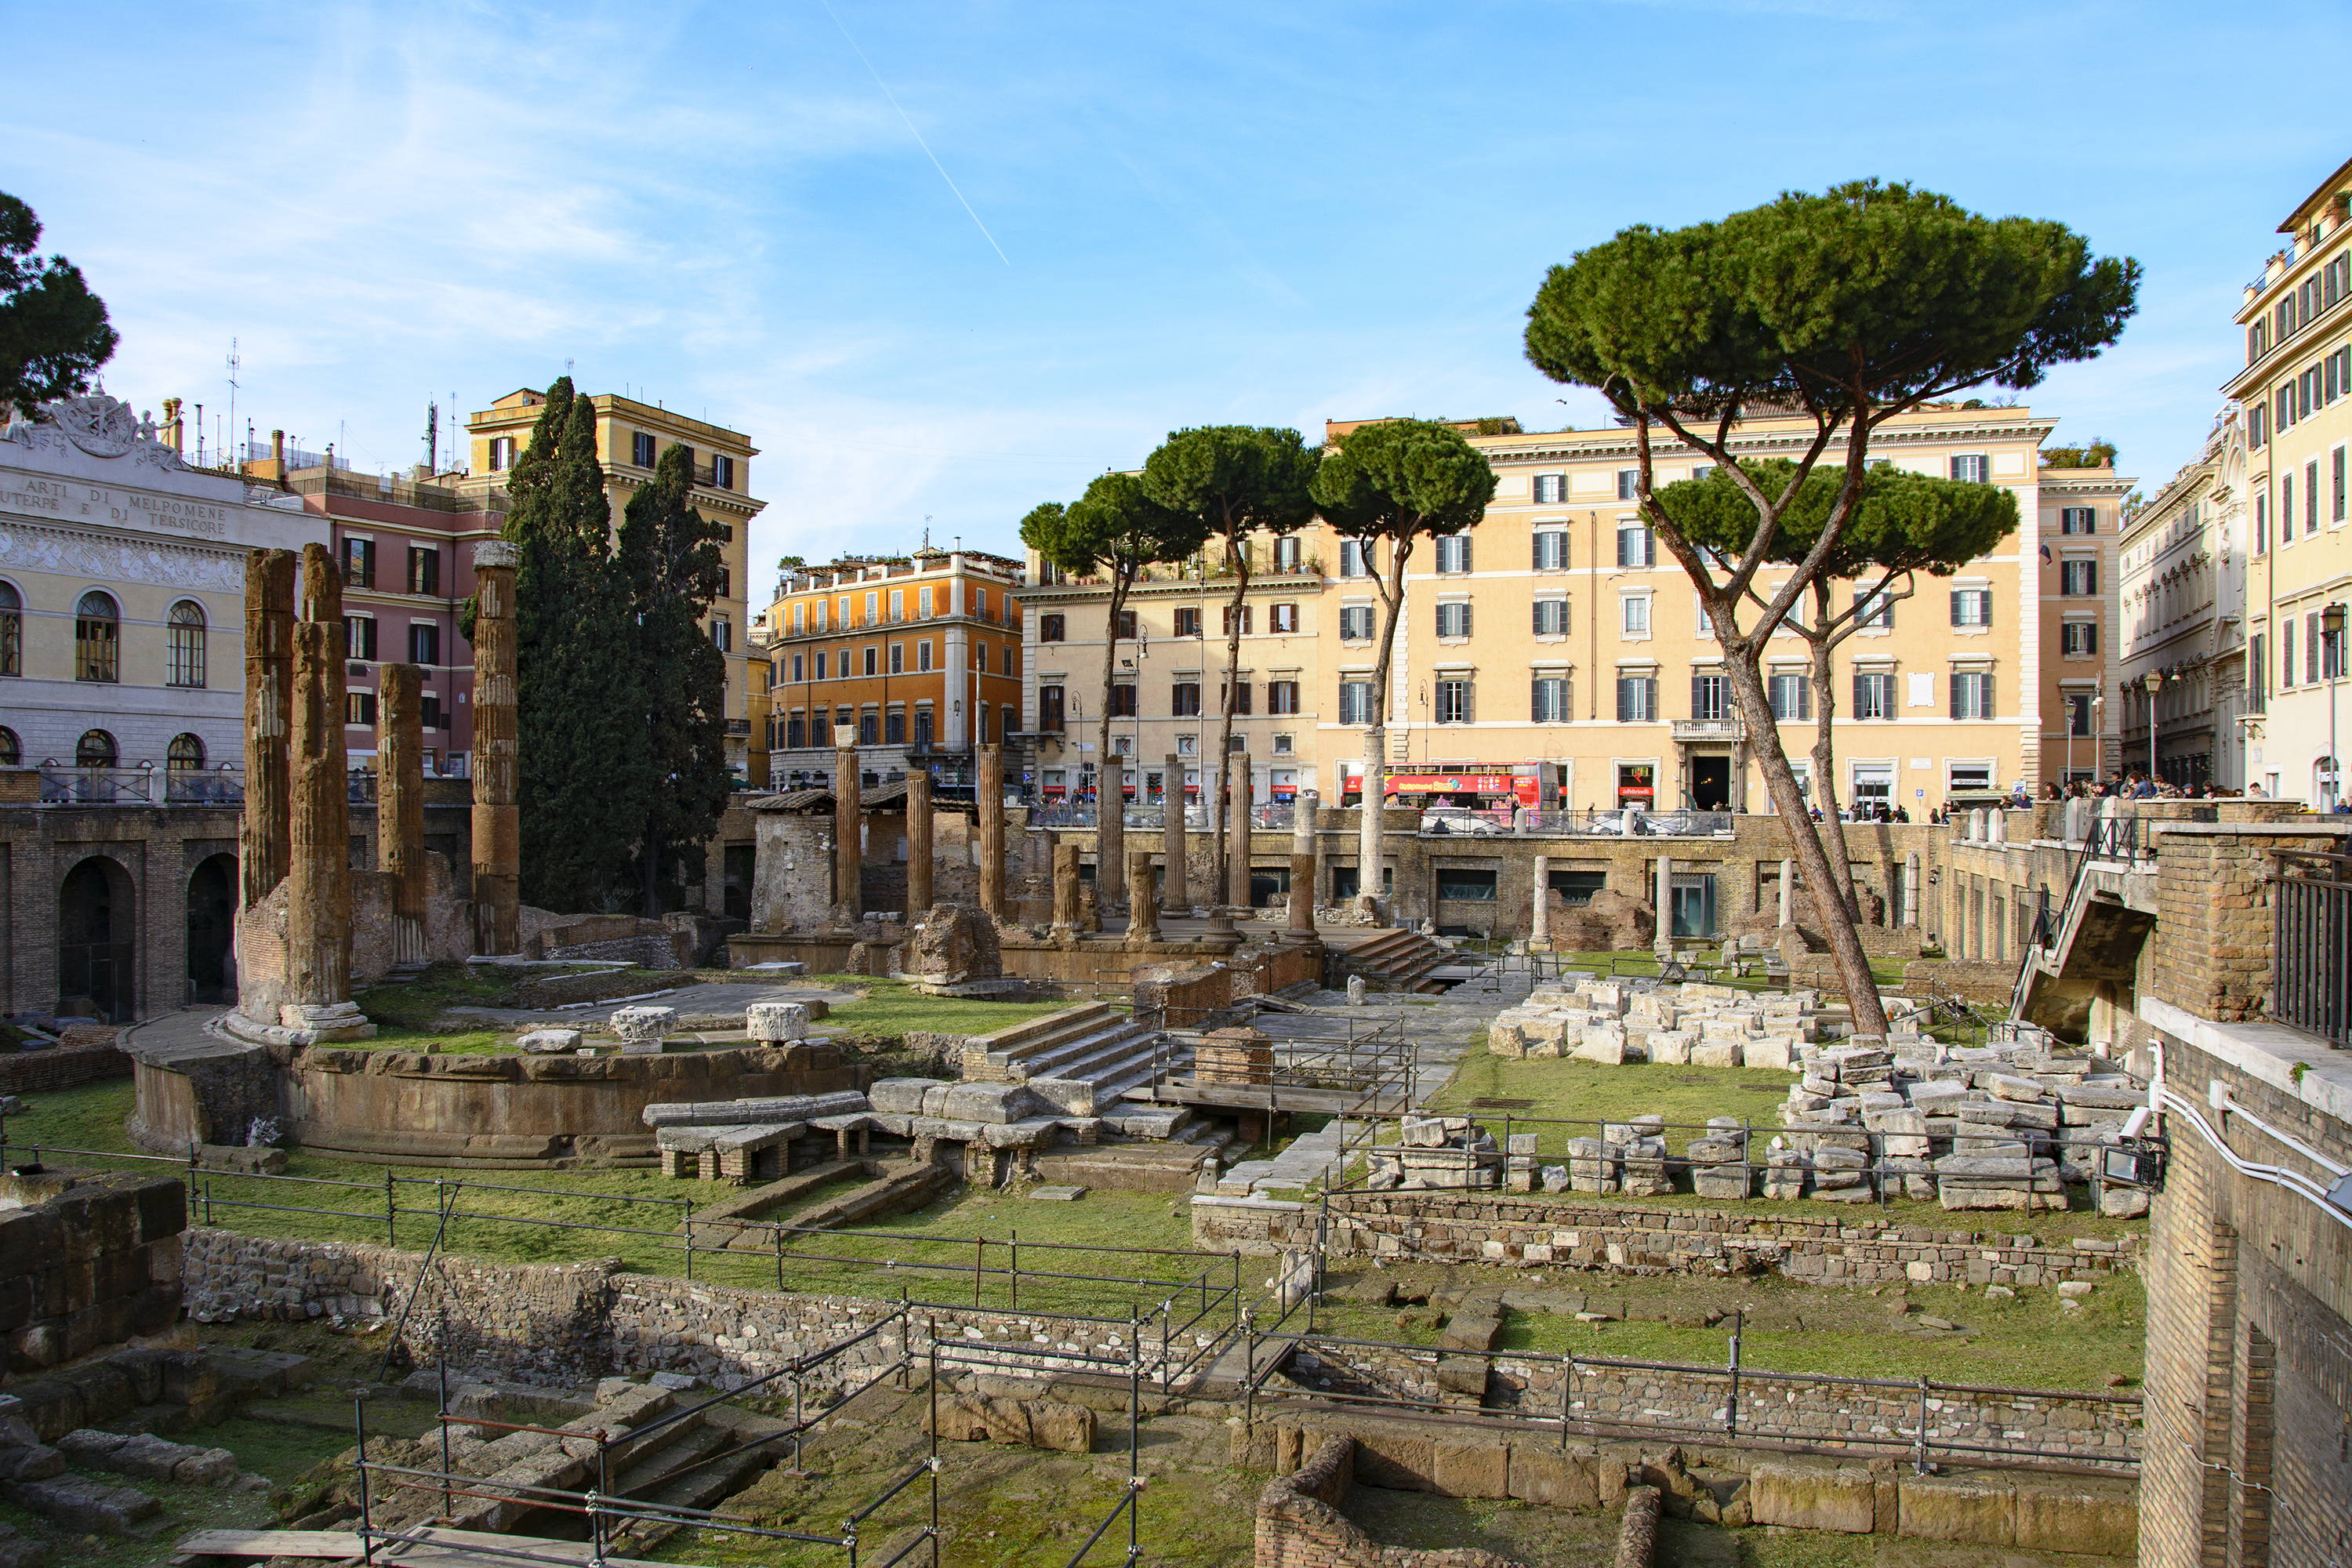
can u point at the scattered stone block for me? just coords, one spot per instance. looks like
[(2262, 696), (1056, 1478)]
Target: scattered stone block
[(775, 1022), (548, 1042), (641, 1030), (1057, 1195)]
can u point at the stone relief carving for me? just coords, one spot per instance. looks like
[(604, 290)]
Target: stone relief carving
[(53, 550), (102, 426)]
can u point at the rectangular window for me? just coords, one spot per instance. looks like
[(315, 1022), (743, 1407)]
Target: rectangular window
[(894, 727), (2078, 579), (1548, 699), (1972, 606), (1711, 697), (1453, 554), (722, 636), (2258, 419), (820, 666), (2286, 652), (722, 473), (923, 603), (359, 706), (2078, 519), (1122, 701), (1282, 696), (1355, 703), (980, 657), (898, 605), (1454, 702), (1282, 618), (2336, 485), (1971, 694), (423, 643), (922, 657), (1225, 621), (1629, 484), (1874, 694), (1127, 624), (1637, 698), (359, 562), (1284, 745), (1633, 614), (2310, 648), (869, 729), (1184, 699), (798, 674), (1576, 888), (1705, 624), (1453, 620), (502, 452), (2286, 509), (1355, 623), (2262, 524), (1241, 696), (1287, 552), (1551, 617), (871, 660), (1465, 886), (1052, 629), (424, 570), (1972, 467), (1188, 622), (873, 610), (2310, 498), (429, 716), (359, 637), (897, 658), (1551, 489), (1551, 550), (2078, 713), (1049, 710), (1351, 558), (2258, 674), (641, 450), (1877, 611), (1792, 697), (2079, 636), (1636, 547)]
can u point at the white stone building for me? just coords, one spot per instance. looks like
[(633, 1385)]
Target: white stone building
[(122, 603)]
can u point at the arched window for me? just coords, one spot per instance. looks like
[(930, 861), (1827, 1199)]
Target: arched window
[(185, 756), (185, 627), (98, 638), (12, 631), (11, 751), (95, 749)]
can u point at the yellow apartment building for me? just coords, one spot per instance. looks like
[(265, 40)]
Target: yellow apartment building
[(1555, 640), (917, 656), (2298, 342), (630, 439)]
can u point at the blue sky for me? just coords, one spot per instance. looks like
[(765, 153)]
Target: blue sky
[(1159, 215)]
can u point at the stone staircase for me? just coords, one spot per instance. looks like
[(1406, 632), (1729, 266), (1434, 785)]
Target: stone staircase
[(1091, 1044), (1399, 961)]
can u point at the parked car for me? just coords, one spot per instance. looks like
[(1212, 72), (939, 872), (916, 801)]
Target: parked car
[(1459, 819)]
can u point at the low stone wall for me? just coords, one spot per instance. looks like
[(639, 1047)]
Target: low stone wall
[(61, 1067), (1990, 984), (1299, 1524), (1534, 1232), (562, 1322), (90, 1259)]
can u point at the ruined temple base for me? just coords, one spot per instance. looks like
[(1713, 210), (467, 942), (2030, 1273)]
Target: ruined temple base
[(302, 1025), (1011, 989)]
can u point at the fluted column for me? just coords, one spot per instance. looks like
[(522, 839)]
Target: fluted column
[(1174, 891), (918, 846), (988, 795), (1238, 835), (847, 900), (263, 840), (1304, 875), (318, 817), (400, 804), (1142, 901), (497, 821)]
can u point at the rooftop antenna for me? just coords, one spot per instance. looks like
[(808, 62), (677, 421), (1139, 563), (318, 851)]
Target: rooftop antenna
[(431, 437), (926, 533), (200, 435), (235, 363)]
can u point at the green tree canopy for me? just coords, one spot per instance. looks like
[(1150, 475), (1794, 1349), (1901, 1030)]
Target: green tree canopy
[(580, 707), (1900, 522), (53, 331), (668, 555)]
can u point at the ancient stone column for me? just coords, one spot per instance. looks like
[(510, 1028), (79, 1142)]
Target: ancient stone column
[(319, 816), (988, 794), (1237, 836), (847, 902), (1539, 928), (1173, 892), (1666, 902), (262, 841), (1910, 913), (918, 846), (1788, 887), (1065, 885), (1304, 875), (400, 804), (498, 823), (1142, 903)]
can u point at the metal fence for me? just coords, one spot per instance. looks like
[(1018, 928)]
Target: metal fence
[(2312, 905), (1316, 1062)]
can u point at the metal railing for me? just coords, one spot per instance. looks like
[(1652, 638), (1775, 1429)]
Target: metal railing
[(1321, 1062), (2312, 922)]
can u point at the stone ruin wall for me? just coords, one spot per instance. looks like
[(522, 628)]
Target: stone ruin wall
[(88, 1267)]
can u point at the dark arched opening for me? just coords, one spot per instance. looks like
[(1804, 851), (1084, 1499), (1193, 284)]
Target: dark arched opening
[(211, 927), (97, 917)]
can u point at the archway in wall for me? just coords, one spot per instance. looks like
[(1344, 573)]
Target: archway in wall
[(211, 926), (97, 923)]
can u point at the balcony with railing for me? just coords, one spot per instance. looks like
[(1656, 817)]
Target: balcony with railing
[(1715, 729), (140, 786)]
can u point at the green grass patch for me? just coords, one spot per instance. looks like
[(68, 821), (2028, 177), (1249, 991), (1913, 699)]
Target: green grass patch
[(1568, 1089), (413, 1004), (894, 1008)]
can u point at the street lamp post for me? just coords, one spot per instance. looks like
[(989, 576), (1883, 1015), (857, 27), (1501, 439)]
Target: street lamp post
[(2331, 620), (2098, 730), (2152, 680)]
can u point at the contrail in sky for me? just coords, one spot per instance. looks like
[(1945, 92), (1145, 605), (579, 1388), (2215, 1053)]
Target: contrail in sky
[(917, 135)]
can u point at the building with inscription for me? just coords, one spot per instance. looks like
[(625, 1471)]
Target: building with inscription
[(123, 601)]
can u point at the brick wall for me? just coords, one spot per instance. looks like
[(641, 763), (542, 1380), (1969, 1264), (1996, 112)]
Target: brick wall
[(1534, 1232), (1299, 1524), (61, 1067)]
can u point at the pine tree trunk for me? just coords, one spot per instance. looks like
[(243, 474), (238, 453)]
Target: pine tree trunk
[(1236, 552), (1825, 756), (1110, 800), (1813, 859), (1371, 852)]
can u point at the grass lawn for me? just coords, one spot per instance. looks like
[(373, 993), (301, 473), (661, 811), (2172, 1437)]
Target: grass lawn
[(892, 1008)]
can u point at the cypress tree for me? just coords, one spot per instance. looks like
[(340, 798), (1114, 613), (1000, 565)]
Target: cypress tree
[(578, 738), (670, 561)]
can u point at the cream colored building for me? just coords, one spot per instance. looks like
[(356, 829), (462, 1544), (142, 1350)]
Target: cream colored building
[(1557, 632), (2181, 619), (2298, 343), (630, 439)]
